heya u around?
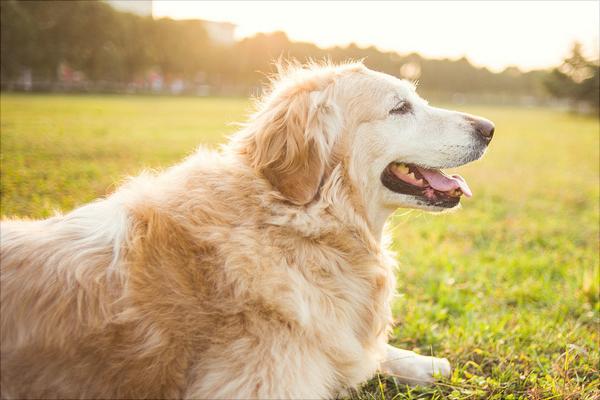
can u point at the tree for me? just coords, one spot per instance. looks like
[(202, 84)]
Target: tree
[(576, 79), (17, 39)]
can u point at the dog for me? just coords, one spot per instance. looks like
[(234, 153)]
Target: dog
[(257, 271)]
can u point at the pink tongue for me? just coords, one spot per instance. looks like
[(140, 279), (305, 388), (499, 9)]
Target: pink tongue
[(442, 182)]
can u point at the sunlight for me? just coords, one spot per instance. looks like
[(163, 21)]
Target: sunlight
[(492, 34)]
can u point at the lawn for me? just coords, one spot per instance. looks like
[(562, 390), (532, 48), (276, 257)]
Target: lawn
[(506, 288)]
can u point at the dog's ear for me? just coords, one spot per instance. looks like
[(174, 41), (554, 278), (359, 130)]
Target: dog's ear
[(292, 140)]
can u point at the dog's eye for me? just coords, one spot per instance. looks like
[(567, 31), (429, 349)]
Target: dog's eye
[(401, 108)]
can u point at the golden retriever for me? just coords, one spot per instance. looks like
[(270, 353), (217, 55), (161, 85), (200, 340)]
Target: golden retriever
[(254, 272)]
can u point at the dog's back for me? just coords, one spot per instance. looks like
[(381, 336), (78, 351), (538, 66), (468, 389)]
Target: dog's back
[(83, 299), (59, 280)]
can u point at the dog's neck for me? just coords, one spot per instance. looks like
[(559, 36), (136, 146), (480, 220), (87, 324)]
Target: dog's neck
[(336, 209), (340, 198), (359, 205)]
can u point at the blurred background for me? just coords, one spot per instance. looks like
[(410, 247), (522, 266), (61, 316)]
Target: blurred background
[(507, 288), (522, 53)]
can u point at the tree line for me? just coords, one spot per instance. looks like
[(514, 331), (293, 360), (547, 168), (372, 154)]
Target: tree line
[(107, 45)]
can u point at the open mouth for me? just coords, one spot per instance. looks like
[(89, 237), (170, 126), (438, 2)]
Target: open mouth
[(432, 186)]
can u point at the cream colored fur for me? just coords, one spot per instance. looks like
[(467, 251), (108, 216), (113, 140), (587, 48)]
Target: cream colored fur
[(259, 271)]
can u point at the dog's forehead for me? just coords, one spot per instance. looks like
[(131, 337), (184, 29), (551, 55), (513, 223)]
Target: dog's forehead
[(371, 94), (392, 85)]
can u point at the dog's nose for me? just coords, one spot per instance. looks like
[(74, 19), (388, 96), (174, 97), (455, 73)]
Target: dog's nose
[(484, 127)]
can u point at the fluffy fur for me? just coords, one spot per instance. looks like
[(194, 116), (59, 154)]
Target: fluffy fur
[(253, 272)]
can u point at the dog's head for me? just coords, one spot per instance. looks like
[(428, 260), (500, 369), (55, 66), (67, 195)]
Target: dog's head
[(390, 142)]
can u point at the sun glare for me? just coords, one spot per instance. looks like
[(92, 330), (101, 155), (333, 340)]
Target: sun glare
[(492, 34)]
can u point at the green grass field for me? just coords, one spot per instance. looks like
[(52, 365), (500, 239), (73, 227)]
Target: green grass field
[(506, 288)]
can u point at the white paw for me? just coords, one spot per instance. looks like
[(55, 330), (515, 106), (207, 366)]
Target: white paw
[(413, 369)]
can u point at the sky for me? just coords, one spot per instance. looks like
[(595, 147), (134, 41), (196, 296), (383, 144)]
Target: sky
[(526, 34)]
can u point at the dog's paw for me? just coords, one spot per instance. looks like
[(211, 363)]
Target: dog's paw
[(413, 369)]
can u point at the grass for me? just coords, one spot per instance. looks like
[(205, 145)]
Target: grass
[(506, 288)]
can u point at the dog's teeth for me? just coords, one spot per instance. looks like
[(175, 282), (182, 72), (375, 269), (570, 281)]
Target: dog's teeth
[(401, 168)]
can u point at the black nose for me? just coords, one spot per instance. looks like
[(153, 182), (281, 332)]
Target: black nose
[(483, 127)]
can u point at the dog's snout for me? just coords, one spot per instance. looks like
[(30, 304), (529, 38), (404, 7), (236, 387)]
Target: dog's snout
[(483, 127)]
